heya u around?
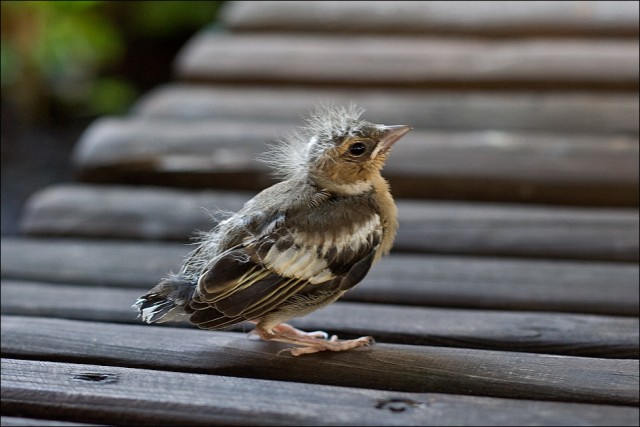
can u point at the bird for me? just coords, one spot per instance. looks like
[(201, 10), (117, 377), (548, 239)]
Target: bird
[(297, 245)]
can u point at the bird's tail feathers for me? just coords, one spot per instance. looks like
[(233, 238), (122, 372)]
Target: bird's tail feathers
[(166, 301)]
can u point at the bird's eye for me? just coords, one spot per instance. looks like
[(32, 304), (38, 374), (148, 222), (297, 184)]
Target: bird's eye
[(357, 148)]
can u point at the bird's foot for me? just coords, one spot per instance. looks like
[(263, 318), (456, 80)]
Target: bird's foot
[(311, 342)]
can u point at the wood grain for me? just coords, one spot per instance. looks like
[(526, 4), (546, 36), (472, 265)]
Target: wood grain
[(593, 113), (425, 226), (140, 396), (382, 366), (490, 18), (419, 280), (404, 61), (550, 333)]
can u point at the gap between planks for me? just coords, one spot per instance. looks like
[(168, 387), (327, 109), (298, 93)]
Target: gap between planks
[(527, 331), (454, 228), (444, 281)]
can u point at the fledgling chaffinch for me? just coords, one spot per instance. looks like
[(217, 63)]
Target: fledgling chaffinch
[(297, 245)]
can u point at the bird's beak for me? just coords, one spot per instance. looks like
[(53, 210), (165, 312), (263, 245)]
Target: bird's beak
[(390, 134)]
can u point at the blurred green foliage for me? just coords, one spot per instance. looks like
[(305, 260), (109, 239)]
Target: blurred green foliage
[(70, 55)]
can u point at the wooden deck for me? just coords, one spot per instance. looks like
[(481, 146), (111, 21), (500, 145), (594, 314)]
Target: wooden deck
[(511, 296)]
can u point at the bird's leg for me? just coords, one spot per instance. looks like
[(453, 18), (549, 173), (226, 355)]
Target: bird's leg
[(311, 342)]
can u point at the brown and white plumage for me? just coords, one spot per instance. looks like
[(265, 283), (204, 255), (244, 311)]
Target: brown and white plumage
[(299, 244)]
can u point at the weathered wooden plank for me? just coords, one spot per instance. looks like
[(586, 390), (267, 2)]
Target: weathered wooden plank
[(490, 283), (21, 421), (108, 263), (405, 61), (434, 227), (487, 165), (382, 366), (574, 233), (489, 18), (441, 281), (551, 333), (138, 396), (126, 212), (593, 113)]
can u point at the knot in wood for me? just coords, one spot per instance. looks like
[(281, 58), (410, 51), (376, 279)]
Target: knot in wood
[(104, 378), (397, 405)]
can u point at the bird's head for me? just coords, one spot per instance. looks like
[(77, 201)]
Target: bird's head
[(337, 150)]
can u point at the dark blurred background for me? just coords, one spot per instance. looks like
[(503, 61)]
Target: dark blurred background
[(66, 62)]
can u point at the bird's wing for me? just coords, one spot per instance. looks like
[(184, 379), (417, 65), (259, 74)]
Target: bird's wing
[(258, 275)]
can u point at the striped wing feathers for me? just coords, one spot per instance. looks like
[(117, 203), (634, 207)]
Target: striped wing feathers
[(261, 274)]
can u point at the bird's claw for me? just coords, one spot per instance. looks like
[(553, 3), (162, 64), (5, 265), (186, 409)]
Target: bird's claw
[(332, 344)]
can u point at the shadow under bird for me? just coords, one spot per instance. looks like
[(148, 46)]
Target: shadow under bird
[(297, 245)]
